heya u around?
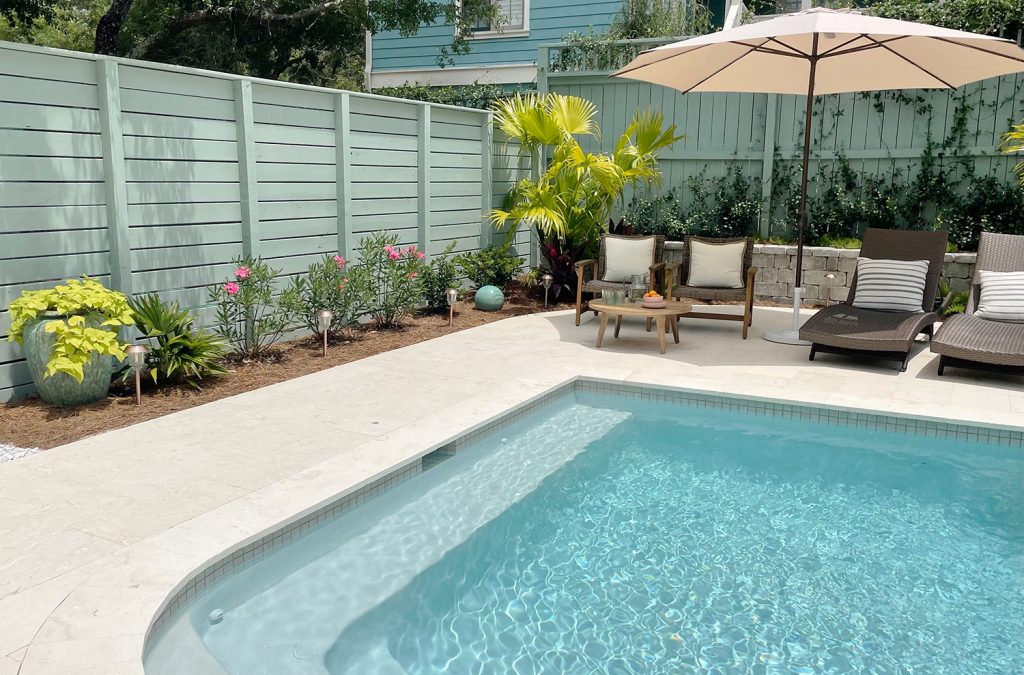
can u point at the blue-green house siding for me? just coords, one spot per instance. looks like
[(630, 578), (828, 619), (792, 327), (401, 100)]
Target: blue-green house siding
[(550, 21)]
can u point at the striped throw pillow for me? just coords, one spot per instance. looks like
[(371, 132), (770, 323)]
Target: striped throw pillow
[(890, 285), (1002, 296)]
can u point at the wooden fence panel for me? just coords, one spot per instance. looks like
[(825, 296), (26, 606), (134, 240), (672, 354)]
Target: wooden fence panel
[(155, 178), (880, 134)]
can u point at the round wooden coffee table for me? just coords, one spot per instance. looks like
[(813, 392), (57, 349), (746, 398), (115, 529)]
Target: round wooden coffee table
[(662, 317)]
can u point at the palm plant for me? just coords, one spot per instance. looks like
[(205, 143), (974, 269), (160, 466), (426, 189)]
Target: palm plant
[(571, 200), (1013, 141)]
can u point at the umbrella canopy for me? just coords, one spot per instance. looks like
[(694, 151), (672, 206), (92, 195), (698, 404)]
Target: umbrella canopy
[(824, 51), (850, 52)]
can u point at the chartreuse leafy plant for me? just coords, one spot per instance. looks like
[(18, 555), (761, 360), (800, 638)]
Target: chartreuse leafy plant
[(180, 352), (1013, 142), (73, 304)]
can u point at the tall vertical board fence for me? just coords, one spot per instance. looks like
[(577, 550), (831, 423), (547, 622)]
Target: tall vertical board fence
[(152, 178), (882, 135)]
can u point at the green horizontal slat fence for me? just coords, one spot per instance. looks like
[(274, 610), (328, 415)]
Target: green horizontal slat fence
[(152, 178)]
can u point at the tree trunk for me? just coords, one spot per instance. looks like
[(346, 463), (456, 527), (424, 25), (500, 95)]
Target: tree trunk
[(109, 27)]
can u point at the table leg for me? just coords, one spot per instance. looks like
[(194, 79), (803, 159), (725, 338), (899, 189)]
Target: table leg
[(675, 327), (618, 324), (600, 329), (660, 323)]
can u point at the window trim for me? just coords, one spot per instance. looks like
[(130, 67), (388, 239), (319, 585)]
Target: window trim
[(504, 33)]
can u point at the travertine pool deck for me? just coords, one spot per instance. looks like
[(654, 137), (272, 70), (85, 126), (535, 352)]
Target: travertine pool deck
[(94, 535)]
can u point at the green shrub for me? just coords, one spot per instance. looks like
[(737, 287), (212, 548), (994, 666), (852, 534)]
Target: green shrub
[(839, 242), (181, 353), (249, 317), (958, 303), (491, 266), (437, 277), (76, 342), (325, 286), (388, 277)]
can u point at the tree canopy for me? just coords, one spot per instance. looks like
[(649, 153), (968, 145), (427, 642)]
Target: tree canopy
[(310, 41)]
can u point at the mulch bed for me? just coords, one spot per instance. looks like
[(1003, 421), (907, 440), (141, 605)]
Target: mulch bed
[(31, 423)]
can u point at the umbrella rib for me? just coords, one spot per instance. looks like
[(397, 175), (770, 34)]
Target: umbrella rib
[(827, 52), (744, 54), (1018, 59), (875, 45), (623, 71), (793, 51), (919, 67)]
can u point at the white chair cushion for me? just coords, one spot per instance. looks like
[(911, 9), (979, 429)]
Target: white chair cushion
[(716, 265), (625, 257), (891, 285), (1002, 296)]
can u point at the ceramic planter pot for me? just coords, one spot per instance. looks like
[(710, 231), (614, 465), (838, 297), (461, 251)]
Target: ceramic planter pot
[(60, 388)]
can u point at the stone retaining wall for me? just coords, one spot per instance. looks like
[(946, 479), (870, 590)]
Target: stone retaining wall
[(827, 271)]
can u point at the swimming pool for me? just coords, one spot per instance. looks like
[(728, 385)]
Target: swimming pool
[(605, 533)]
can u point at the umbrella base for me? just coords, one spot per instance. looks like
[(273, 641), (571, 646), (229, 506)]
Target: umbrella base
[(791, 336), (785, 337)]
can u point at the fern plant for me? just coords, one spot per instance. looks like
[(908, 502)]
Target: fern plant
[(958, 303), (181, 353)]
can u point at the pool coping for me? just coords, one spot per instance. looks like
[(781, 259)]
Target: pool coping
[(250, 552), (99, 624)]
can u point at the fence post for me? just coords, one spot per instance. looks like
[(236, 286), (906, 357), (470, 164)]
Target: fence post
[(343, 172), (768, 163), (115, 186), (486, 180), (245, 127), (423, 177), (543, 63)]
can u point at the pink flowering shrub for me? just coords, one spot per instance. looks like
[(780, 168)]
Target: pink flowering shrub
[(387, 277), (325, 286), (249, 317)]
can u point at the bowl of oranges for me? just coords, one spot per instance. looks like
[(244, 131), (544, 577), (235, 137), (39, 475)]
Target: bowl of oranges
[(653, 300)]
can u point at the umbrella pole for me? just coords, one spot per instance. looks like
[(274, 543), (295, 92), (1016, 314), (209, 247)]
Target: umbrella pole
[(792, 336)]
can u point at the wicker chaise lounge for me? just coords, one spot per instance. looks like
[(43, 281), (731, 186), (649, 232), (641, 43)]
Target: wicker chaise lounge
[(845, 329), (969, 341)]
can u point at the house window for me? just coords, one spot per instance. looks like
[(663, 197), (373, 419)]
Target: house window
[(512, 16)]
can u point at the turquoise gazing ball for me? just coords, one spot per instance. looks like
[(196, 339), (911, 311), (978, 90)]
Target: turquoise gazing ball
[(489, 299)]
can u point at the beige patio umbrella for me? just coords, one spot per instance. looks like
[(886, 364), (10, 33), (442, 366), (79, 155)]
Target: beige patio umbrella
[(823, 51)]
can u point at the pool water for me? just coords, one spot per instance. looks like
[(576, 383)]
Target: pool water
[(603, 535)]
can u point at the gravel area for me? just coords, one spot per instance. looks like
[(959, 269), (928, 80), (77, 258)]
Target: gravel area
[(9, 453)]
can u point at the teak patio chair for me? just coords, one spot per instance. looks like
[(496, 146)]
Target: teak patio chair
[(589, 273), (677, 273), (969, 341), (845, 329)]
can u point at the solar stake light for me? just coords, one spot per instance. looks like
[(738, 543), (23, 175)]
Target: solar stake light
[(137, 362), (546, 280), (323, 322), (828, 288), (452, 296)]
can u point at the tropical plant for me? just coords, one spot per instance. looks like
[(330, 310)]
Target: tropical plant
[(569, 201), (325, 286), (490, 266), (180, 352), (86, 318), (249, 317), (1013, 142), (388, 275), (437, 277), (958, 303)]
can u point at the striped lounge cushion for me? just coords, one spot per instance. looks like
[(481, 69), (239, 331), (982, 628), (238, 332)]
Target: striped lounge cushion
[(890, 285), (1002, 296)]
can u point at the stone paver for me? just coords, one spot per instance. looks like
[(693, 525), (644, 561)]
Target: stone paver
[(95, 534)]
